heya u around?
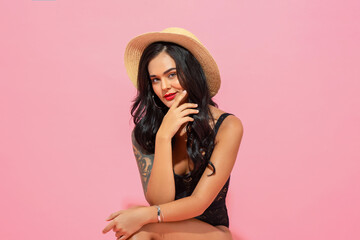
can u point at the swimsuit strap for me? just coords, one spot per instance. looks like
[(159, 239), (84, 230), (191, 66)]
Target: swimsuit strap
[(220, 120)]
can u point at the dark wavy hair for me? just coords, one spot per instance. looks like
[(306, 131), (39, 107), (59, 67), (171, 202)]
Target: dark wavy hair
[(148, 117)]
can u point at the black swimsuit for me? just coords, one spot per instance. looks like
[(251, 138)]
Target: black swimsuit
[(216, 213)]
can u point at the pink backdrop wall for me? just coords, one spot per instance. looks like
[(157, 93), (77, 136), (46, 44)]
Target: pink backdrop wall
[(290, 72)]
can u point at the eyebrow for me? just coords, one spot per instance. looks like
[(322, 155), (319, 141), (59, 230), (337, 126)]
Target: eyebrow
[(170, 69)]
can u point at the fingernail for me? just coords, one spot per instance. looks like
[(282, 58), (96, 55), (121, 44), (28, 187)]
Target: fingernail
[(184, 91)]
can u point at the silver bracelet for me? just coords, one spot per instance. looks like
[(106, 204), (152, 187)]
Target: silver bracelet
[(158, 213)]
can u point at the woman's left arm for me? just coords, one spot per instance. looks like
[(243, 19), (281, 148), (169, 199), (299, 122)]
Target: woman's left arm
[(223, 157)]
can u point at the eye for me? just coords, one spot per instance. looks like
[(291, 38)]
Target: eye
[(172, 75), (154, 80)]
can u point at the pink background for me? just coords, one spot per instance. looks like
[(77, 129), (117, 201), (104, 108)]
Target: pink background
[(290, 72)]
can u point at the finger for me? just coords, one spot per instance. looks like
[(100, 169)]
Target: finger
[(186, 119), (123, 237), (188, 112), (178, 99), (113, 215), (109, 227), (119, 234), (187, 105)]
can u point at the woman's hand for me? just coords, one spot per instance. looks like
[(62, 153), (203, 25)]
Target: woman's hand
[(126, 222), (177, 116)]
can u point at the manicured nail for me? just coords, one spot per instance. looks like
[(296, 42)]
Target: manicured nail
[(184, 91)]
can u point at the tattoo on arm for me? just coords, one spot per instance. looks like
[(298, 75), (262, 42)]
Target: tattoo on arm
[(144, 162)]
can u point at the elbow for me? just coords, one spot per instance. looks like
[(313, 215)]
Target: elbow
[(151, 201), (200, 206), (156, 200)]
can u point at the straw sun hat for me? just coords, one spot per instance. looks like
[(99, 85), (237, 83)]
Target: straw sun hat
[(180, 36)]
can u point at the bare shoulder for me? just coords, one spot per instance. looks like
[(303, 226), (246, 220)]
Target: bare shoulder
[(230, 127), (232, 122), (136, 145), (227, 142)]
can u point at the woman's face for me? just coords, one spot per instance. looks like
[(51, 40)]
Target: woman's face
[(164, 79)]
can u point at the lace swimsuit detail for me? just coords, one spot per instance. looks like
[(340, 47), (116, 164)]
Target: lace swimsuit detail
[(216, 213)]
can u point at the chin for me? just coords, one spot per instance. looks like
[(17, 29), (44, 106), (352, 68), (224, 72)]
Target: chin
[(168, 104)]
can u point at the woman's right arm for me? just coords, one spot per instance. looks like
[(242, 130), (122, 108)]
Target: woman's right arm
[(157, 170)]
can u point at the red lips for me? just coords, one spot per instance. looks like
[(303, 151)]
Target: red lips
[(170, 96)]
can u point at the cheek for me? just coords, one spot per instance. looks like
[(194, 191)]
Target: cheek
[(157, 89), (178, 85)]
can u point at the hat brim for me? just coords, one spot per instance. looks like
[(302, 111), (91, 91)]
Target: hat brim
[(137, 45)]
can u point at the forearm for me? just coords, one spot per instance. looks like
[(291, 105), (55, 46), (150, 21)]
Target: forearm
[(161, 185), (181, 209)]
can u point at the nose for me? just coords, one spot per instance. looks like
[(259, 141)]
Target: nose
[(165, 84)]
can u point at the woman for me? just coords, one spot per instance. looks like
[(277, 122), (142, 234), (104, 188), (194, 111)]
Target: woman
[(184, 145)]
